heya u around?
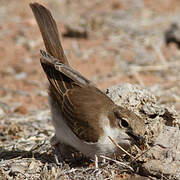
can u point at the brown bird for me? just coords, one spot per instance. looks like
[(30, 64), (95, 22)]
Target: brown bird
[(83, 116)]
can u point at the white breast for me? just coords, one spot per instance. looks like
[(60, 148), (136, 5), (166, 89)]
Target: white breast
[(65, 135), (118, 135)]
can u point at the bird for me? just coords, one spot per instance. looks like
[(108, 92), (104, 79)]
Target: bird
[(83, 116)]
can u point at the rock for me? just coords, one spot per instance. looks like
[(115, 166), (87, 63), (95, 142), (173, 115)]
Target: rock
[(172, 35), (20, 76), (144, 104), (2, 113), (73, 31), (21, 109), (164, 157)]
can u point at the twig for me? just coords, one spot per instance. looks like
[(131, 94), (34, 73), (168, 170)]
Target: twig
[(137, 157), (159, 67), (37, 146), (139, 80), (117, 145), (160, 54), (149, 68), (118, 162), (96, 162)]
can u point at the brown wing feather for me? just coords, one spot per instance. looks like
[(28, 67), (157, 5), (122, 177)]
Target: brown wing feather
[(74, 97)]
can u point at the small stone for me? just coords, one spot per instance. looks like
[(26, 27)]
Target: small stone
[(2, 113), (20, 76), (21, 110)]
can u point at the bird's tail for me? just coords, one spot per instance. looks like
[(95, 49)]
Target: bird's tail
[(49, 31)]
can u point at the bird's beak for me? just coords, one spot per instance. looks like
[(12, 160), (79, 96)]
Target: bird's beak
[(138, 140)]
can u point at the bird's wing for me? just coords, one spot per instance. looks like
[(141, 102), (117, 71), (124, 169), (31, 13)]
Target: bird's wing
[(73, 94)]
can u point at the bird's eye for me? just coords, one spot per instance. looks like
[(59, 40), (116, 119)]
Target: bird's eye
[(124, 123)]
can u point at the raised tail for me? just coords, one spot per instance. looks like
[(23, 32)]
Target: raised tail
[(49, 31)]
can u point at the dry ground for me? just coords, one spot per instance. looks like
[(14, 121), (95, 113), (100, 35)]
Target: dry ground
[(118, 41)]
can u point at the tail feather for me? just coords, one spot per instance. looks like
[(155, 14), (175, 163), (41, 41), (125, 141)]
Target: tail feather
[(49, 31)]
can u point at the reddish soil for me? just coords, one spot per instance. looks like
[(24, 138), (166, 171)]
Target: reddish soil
[(23, 83)]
